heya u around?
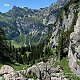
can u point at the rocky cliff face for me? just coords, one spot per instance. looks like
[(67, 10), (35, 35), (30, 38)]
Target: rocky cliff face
[(74, 48), (70, 22), (67, 20)]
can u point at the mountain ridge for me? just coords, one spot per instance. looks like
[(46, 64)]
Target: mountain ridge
[(28, 22)]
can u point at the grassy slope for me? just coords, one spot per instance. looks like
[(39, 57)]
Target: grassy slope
[(66, 69), (15, 44), (4, 19), (78, 62), (16, 67)]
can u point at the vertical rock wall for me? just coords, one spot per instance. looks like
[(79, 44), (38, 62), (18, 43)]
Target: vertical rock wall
[(74, 48)]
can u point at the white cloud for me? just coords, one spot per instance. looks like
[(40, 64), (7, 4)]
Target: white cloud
[(23, 6), (6, 4)]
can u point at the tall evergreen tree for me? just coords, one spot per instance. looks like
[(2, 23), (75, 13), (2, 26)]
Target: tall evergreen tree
[(4, 51)]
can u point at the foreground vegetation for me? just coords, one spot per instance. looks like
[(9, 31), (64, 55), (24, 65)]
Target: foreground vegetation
[(78, 62), (16, 67), (67, 72), (25, 54)]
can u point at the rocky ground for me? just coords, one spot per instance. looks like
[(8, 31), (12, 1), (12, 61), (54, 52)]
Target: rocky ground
[(43, 71)]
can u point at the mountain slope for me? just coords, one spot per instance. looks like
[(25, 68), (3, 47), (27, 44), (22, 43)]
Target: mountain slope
[(65, 36), (30, 24)]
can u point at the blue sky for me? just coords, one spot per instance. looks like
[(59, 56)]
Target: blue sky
[(6, 5)]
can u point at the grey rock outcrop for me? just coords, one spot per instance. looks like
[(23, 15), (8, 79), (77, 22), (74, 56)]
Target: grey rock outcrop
[(42, 71), (8, 73), (6, 69), (66, 24), (74, 48), (14, 76), (45, 72)]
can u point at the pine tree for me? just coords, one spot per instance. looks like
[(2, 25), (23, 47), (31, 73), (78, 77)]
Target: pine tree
[(4, 48)]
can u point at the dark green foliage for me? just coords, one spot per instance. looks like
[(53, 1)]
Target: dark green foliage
[(4, 52), (48, 51), (35, 52), (75, 1), (66, 7), (63, 43), (32, 75), (26, 55), (74, 22), (2, 35)]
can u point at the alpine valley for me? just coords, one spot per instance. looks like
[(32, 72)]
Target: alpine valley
[(25, 26)]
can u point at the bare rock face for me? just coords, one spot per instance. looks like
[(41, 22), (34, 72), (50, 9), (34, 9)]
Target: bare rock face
[(67, 22), (6, 69), (74, 48)]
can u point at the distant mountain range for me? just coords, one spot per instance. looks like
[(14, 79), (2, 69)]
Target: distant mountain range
[(28, 26)]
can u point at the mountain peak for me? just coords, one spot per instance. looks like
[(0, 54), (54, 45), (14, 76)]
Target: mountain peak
[(61, 2), (14, 7)]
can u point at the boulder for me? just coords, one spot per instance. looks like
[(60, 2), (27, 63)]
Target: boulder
[(23, 72), (9, 73), (33, 69), (6, 69), (42, 70), (14, 76)]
